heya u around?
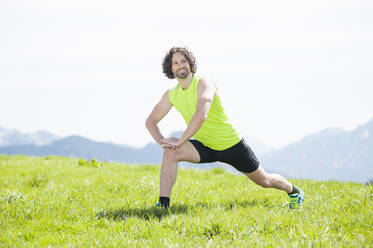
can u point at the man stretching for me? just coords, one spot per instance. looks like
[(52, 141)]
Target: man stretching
[(215, 139)]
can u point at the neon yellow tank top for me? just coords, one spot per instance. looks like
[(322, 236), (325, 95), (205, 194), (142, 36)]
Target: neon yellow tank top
[(216, 132)]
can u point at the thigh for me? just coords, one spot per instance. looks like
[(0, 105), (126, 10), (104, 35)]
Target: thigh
[(240, 156), (187, 152), (206, 154)]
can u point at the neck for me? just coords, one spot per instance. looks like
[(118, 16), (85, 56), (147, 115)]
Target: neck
[(186, 81)]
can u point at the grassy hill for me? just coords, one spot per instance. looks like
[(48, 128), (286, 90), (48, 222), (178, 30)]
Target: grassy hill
[(58, 201)]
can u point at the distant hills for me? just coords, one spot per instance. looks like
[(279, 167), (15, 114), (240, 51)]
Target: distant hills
[(331, 154), (77, 146), (10, 137)]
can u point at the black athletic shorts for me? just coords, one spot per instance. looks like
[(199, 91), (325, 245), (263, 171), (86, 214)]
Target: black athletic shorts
[(240, 156)]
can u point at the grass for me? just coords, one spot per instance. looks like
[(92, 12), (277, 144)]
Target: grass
[(57, 201)]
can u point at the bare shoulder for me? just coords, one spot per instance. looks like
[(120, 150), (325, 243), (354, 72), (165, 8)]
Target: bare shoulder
[(166, 96), (206, 81), (206, 87), (166, 93)]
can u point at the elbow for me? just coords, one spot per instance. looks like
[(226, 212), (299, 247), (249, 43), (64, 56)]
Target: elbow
[(148, 122)]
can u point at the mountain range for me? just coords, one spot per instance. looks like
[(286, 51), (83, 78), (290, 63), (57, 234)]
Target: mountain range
[(77, 146), (332, 154), (80, 147), (10, 137)]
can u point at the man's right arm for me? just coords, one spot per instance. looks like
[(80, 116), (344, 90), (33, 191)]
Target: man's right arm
[(159, 111)]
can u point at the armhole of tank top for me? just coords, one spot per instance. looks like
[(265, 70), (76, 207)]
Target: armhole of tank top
[(171, 94), (196, 80)]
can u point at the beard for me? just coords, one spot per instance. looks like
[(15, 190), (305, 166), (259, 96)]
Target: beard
[(182, 73)]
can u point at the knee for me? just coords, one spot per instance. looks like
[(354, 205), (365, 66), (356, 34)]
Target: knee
[(170, 155)]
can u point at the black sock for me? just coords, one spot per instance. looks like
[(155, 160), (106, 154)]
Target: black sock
[(164, 201), (294, 191)]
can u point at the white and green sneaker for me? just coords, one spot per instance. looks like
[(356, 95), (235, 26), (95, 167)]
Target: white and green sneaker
[(296, 199)]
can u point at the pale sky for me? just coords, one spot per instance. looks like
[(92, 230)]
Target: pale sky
[(285, 69)]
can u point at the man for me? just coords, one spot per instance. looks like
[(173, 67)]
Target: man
[(215, 139)]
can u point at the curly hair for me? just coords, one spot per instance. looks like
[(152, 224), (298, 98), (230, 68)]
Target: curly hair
[(167, 61)]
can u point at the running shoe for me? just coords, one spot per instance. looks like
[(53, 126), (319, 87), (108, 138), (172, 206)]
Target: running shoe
[(296, 199), (160, 206)]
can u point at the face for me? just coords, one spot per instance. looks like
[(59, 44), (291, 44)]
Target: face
[(180, 66)]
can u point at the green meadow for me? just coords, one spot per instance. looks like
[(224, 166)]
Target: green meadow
[(63, 202)]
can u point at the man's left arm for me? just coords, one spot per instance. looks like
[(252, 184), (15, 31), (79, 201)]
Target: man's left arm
[(206, 92)]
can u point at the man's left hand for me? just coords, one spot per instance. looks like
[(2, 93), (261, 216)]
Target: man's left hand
[(171, 142)]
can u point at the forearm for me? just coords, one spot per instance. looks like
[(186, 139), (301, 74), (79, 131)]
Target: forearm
[(194, 125), (154, 131)]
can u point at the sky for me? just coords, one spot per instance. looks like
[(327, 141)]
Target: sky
[(284, 69)]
